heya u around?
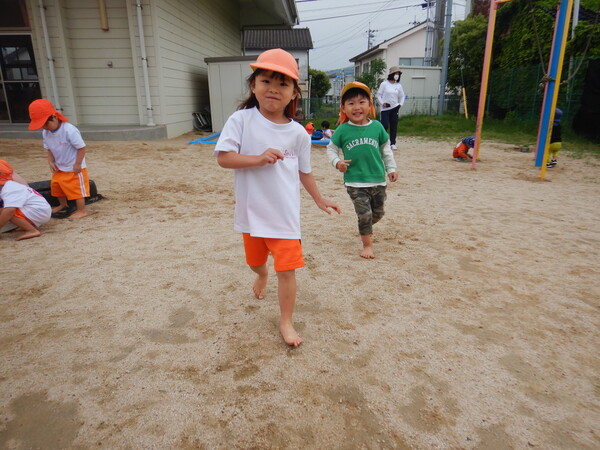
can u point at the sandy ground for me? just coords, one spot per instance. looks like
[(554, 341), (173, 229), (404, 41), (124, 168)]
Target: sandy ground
[(477, 325)]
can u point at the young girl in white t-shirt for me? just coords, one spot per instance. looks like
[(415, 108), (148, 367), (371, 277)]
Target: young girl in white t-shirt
[(270, 154)]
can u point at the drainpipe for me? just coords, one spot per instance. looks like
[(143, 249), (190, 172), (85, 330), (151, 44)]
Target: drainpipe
[(49, 56), (150, 123)]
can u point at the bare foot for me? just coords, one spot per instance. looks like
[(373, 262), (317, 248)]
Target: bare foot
[(59, 208), (78, 215), (367, 253), (259, 286), (289, 335), (29, 235)]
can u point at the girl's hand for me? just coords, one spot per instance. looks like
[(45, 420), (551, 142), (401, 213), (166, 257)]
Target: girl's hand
[(342, 165), (53, 167), (77, 168), (325, 204), (270, 156), (393, 176)]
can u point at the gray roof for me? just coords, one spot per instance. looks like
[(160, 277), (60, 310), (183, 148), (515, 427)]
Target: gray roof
[(285, 38)]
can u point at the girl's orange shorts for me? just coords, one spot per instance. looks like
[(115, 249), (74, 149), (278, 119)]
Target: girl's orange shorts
[(18, 213), (70, 184), (287, 253)]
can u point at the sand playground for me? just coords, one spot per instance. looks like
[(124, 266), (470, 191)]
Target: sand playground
[(476, 326)]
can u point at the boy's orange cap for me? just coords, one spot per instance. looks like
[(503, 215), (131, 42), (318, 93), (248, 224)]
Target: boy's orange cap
[(39, 111), (6, 172), (277, 60), (364, 87)]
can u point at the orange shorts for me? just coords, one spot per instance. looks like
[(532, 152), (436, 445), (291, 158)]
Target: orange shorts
[(71, 185), (287, 253), (20, 215)]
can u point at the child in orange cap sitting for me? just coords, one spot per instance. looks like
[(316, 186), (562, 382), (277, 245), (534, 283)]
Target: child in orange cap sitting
[(66, 156), (365, 161), (270, 155), (21, 205)]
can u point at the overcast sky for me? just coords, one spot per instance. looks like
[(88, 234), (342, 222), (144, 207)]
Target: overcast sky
[(339, 28)]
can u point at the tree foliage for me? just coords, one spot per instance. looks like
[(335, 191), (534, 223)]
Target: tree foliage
[(374, 76), (523, 37), (319, 84)]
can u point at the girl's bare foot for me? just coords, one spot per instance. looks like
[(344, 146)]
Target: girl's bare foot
[(289, 334), (259, 286), (59, 208), (78, 215), (28, 235), (367, 253)]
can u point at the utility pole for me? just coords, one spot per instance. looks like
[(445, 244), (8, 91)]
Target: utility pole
[(370, 36), (445, 58)]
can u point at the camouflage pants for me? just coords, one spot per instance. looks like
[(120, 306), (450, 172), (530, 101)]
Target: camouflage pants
[(368, 204)]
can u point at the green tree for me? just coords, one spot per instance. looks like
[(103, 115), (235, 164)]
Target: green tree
[(374, 76), (467, 47), (319, 84)]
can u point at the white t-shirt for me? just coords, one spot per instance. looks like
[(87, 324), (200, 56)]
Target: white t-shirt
[(391, 93), (267, 198), (64, 143), (32, 204)]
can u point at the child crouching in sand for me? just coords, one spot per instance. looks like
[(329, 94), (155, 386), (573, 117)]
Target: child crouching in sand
[(270, 155), (21, 205)]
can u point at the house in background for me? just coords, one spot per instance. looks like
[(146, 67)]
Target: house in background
[(338, 79), (110, 65), (409, 50)]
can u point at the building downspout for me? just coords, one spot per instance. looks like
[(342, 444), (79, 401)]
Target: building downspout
[(49, 57), (138, 6)]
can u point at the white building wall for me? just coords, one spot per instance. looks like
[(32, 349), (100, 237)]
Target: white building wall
[(187, 31), (101, 63), (412, 46)]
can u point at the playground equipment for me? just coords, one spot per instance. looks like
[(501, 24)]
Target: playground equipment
[(552, 80)]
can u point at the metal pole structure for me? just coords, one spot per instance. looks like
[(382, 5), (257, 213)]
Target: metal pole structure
[(485, 75), (557, 56), (442, 101)]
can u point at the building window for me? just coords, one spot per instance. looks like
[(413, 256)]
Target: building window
[(411, 61), (14, 14)]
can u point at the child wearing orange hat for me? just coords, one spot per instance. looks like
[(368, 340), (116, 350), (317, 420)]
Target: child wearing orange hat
[(270, 155), (21, 205), (365, 161), (66, 156)]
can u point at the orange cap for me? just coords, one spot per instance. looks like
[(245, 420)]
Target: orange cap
[(277, 60), (6, 172), (39, 112), (364, 87)]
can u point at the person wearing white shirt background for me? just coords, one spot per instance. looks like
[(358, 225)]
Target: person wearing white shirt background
[(391, 98)]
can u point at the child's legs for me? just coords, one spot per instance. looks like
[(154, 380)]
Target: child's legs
[(362, 205), (378, 198), (256, 258), (554, 149), (26, 225), (286, 290), (73, 186)]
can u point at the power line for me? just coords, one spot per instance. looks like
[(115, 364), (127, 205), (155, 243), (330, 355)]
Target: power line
[(361, 13)]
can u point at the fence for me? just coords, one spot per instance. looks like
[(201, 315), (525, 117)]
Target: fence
[(515, 93)]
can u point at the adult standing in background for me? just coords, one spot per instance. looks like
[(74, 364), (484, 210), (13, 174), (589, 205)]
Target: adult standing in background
[(391, 98)]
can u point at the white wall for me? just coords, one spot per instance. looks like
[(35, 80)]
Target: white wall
[(104, 95), (188, 31), (411, 46)]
